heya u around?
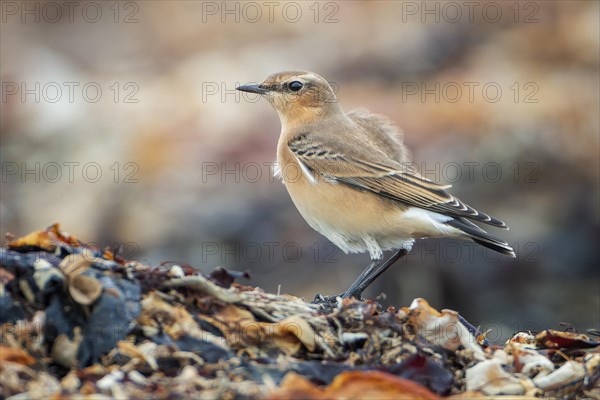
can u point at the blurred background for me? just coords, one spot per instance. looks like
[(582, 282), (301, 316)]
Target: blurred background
[(120, 121)]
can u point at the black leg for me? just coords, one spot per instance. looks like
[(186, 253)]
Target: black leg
[(371, 273), (320, 299), (361, 278)]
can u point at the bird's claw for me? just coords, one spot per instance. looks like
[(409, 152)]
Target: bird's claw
[(325, 300)]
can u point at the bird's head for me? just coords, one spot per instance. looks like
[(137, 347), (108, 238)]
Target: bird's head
[(297, 96)]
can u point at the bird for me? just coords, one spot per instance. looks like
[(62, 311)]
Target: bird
[(351, 177)]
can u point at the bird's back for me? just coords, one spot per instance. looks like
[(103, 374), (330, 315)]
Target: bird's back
[(384, 134)]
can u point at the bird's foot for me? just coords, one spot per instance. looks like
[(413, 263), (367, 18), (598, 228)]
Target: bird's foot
[(326, 300)]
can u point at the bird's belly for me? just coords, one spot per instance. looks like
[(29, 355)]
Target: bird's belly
[(336, 206), (355, 221)]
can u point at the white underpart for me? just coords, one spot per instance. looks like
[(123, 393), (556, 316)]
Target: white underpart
[(414, 219), (340, 241), (365, 243), (435, 221), (373, 248), (407, 244), (376, 249)]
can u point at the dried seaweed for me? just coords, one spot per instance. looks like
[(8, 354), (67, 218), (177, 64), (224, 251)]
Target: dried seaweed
[(76, 321)]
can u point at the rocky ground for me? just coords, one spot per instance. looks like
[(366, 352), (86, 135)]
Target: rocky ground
[(78, 321)]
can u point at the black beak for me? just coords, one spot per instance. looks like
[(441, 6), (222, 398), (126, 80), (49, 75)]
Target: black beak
[(252, 89)]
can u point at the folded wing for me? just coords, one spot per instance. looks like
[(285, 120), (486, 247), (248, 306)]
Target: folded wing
[(367, 168)]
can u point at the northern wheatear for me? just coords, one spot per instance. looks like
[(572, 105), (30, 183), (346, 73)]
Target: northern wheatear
[(350, 177)]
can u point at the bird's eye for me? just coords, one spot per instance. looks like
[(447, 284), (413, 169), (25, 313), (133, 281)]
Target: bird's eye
[(295, 86)]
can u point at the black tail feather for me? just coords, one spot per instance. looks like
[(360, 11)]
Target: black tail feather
[(500, 247), (481, 237)]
